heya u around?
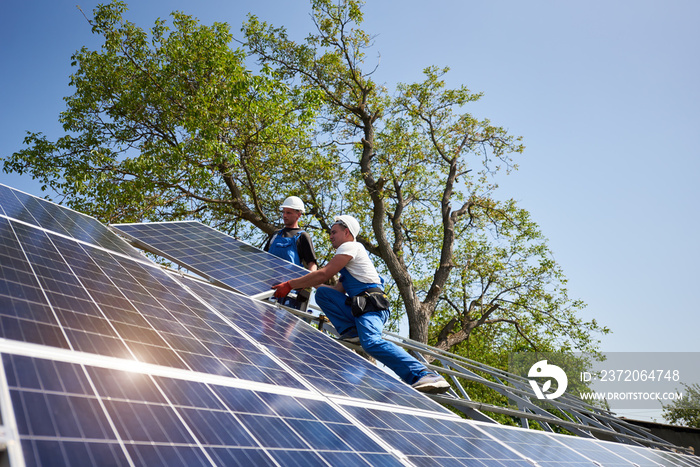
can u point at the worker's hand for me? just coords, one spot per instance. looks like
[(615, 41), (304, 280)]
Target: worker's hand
[(282, 290)]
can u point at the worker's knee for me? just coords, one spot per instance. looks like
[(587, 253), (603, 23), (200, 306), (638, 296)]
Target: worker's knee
[(326, 296), (321, 295)]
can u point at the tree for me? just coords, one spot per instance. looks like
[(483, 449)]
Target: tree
[(512, 282), (685, 411), (421, 172), (174, 126)]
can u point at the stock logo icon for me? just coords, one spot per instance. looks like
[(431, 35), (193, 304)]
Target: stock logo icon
[(542, 369)]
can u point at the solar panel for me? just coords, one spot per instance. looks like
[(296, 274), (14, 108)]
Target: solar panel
[(615, 454), (96, 302), (107, 359), (310, 354), (213, 254), (432, 440), (76, 414), (50, 216)]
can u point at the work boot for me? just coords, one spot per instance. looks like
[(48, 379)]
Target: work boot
[(431, 384)]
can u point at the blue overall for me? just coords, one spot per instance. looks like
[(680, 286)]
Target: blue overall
[(286, 247), (367, 327)]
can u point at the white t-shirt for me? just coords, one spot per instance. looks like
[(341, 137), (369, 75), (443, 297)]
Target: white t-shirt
[(360, 266)]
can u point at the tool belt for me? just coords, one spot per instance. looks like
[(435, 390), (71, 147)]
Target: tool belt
[(370, 300)]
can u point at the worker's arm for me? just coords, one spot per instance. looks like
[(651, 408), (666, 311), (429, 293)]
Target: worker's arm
[(314, 278)]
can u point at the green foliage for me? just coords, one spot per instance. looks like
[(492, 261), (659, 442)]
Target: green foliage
[(685, 411), (505, 275), (411, 157), (170, 124)]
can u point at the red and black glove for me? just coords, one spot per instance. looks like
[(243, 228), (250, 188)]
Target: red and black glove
[(282, 290)]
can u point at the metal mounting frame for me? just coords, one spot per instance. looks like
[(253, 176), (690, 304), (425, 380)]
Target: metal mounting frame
[(568, 413)]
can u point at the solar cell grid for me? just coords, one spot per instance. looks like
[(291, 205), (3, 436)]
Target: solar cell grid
[(50, 216), (553, 450), (76, 286), (114, 306), (13, 204), (320, 404), (66, 452), (53, 409), (212, 254), (24, 311), (606, 453), (321, 361), (436, 441), (644, 457), (167, 421), (202, 338), (597, 451)]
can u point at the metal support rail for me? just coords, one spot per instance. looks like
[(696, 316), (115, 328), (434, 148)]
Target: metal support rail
[(577, 416)]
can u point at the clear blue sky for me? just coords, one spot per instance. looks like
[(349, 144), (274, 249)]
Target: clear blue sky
[(605, 94)]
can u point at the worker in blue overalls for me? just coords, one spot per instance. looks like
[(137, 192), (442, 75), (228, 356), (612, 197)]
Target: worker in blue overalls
[(293, 244), (357, 306)]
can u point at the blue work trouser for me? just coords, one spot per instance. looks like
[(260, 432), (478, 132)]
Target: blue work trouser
[(369, 329)]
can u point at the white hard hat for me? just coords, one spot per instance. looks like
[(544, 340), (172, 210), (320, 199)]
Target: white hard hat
[(349, 222), (294, 202)]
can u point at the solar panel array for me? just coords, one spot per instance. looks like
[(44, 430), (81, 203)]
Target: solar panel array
[(212, 254), (107, 359)]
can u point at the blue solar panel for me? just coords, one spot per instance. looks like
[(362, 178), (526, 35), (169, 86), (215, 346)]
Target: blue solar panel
[(102, 303), (117, 417), (107, 359), (428, 440), (213, 254), (593, 450), (638, 455), (47, 215), (91, 300), (320, 361), (24, 312), (537, 445), (553, 450), (99, 302)]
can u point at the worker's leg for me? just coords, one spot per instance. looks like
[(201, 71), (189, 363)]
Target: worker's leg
[(332, 303), (369, 328)]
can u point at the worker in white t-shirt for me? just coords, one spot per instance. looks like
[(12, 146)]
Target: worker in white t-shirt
[(357, 306)]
